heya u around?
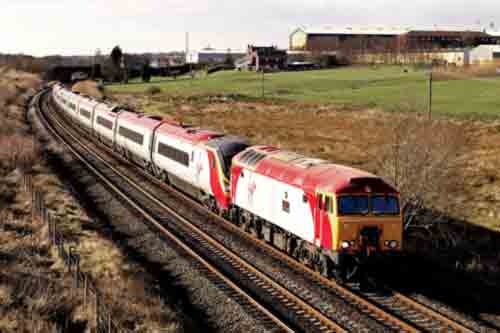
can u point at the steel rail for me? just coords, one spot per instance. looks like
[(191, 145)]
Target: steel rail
[(294, 306), (371, 307)]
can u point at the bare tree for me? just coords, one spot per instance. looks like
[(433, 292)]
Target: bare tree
[(423, 159)]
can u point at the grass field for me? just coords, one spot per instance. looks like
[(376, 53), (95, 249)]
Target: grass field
[(384, 87)]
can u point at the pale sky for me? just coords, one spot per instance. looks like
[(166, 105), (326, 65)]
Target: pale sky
[(43, 27)]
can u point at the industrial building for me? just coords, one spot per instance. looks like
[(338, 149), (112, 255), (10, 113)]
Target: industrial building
[(362, 43), (213, 56)]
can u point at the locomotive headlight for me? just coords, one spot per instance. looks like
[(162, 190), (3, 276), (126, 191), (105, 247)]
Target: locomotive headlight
[(393, 244), (345, 244)]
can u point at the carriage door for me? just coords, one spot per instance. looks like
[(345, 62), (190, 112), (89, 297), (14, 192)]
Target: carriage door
[(198, 167), (319, 217), (322, 229)]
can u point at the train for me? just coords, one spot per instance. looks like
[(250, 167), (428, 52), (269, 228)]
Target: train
[(332, 218)]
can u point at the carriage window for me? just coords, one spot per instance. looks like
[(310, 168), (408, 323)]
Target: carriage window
[(385, 205), (131, 135), (105, 122), (85, 113), (174, 154), (353, 205)]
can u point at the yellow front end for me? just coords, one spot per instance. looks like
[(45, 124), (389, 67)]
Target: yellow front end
[(367, 233)]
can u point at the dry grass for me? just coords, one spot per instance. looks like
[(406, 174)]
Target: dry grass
[(425, 159), (89, 88), (360, 138), (18, 152), (34, 285)]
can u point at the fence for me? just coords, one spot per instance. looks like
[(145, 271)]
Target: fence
[(92, 297)]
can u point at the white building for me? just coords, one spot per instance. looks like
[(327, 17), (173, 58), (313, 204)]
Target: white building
[(483, 54), (213, 56)]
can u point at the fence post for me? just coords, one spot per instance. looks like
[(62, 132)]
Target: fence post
[(109, 322), (97, 310), (77, 270), (49, 223), (84, 289)]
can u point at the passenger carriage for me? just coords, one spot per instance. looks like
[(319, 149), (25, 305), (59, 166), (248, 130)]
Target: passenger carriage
[(196, 161)]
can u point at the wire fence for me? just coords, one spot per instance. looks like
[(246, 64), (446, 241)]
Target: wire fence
[(82, 284)]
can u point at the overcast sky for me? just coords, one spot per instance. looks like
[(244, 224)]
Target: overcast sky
[(42, 27)]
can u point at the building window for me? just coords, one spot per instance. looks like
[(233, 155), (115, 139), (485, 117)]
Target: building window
[(174, 154), (131, 135), (105, 123)]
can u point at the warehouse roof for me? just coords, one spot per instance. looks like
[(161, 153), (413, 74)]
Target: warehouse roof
[(389, 30)]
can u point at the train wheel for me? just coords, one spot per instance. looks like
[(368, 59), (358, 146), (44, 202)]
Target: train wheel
[(164, 177), (323, 266), (339, 275)]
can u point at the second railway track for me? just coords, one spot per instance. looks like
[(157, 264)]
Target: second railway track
[(277, 308), (392, 312)]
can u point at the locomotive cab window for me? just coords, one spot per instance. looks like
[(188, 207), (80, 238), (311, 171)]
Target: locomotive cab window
[(385, 205), (353, 205)]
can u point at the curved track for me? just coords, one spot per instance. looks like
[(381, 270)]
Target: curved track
[(224, 265), (396, 311)]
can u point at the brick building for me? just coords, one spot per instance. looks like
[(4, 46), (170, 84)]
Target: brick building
[(356, 40)]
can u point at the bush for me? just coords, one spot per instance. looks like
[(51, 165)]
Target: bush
[(18, 152), (153, 90), (423, 159)]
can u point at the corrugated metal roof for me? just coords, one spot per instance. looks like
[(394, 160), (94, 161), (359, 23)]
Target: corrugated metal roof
[(391, 30), (355, 30)]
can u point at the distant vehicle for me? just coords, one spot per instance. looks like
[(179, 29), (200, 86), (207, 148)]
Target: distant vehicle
[(302, 65), (330, 217)]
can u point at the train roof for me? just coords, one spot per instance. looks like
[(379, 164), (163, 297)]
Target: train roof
[(309, 173), (171, 127), (188, 132)]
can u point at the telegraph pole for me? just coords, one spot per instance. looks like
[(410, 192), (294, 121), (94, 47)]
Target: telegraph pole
[(262, 69), (430, 93)]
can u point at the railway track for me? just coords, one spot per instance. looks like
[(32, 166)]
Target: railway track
[(395, 311), (253, 289)]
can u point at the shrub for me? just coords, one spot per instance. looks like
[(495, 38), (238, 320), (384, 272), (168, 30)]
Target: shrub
[(18, 152), (423, 159)]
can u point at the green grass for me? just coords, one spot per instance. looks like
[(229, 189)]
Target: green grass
[(386, 87)]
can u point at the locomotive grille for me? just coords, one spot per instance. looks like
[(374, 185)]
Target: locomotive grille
[(370, 236)]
